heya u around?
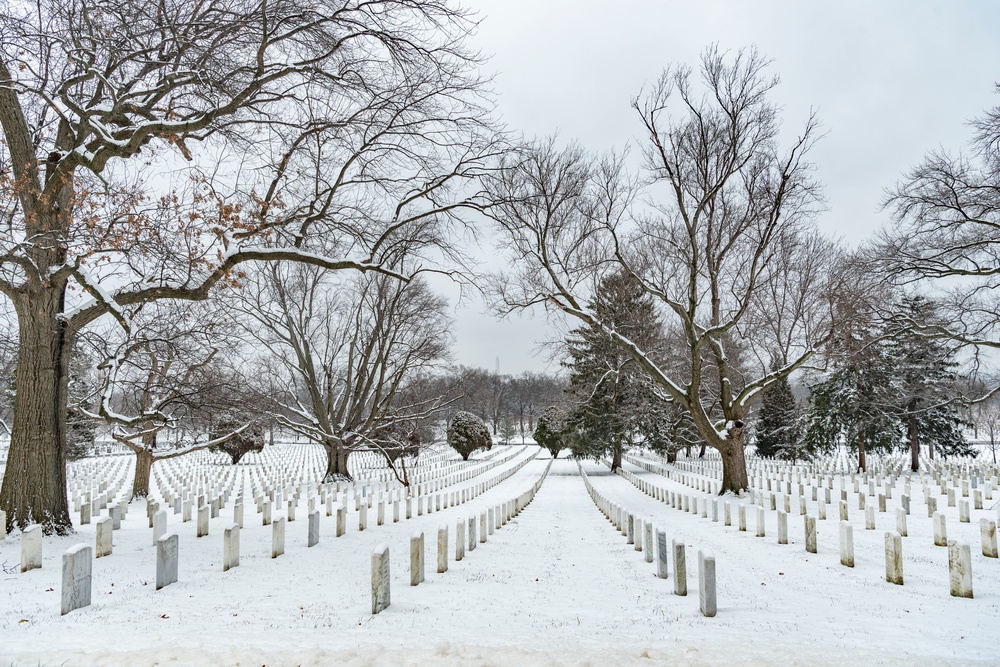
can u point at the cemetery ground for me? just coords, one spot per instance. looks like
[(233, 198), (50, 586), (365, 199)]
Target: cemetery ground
[(557, 584)]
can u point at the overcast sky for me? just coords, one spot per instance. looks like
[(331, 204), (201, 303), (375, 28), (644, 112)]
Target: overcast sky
[(889, 80)]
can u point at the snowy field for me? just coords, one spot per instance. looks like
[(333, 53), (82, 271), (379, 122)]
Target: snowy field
[(557, 585)]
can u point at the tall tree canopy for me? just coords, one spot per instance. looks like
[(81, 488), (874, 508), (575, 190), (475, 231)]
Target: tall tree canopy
[(332, 132), (725, 248)]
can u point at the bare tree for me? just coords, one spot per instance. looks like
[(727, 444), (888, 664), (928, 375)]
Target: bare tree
[(729, 220), (346, 120), (986, 419), (945, 238), (164, 378), (344, 356)]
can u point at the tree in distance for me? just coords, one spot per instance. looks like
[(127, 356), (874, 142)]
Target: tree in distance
[(467, 433), (250, 439), (548, 432)]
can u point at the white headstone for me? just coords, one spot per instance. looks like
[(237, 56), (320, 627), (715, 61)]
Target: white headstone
[(706, 582), (960, 569), (278, 537), (31, 548), (648, 541), (810, 525), (442, 549), (166, 560), (380, 578), (846, 544), (416, 558), (662, 555), (940, 530), (160, 525), (105, 528), (894, 558), (231, 547), (782, 528), (203, 516), (989, 534), (340, 511), (680, 568), (77, 566)]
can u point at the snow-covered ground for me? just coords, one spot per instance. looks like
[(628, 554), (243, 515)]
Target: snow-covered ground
[(558, 585)]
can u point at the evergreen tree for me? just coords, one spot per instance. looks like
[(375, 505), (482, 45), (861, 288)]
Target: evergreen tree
[(548, 430), (778, 430), (467, 433), (615, 404), (81, 429), (927, 384), (896, 390)]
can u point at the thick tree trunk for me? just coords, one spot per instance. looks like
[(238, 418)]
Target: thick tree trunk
[(701, 452), (671, 456), (34, 485), (734, 462), (616, 458), (143, 468), (914, 434), (336, 464), (862, 457)]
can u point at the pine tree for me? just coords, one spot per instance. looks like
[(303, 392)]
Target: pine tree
[(81, 430), (927, 384), (615, 404), (896, 391), (778, 431), (857, 403)]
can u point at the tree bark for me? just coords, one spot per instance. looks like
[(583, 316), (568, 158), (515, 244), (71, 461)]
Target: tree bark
[(734, 463), (862, 457), (671, 456), (34, 485), (616, 457), (143, 468), (914, 433), (336, 463), (701, 452)]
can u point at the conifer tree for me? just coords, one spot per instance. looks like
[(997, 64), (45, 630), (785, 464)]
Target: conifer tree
[(778, 430), (927, 384), (548, 431), (614, 401), (896, 390)]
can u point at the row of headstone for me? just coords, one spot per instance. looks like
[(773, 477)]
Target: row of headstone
[(469, 533), (959, 567), (640, 534)]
